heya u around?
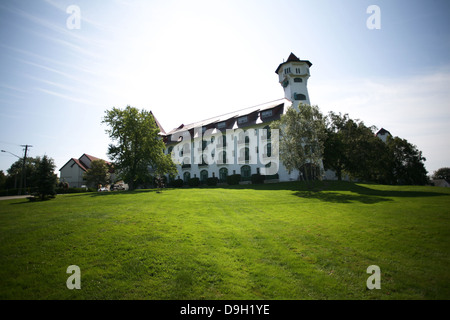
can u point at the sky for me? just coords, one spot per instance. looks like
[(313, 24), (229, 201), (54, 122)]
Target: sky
[(64, 63)]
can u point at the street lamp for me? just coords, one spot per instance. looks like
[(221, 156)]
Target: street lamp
[(11, 153)]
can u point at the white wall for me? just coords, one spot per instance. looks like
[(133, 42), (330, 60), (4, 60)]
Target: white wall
[(72, 174)]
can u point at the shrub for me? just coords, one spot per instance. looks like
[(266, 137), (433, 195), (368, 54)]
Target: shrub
[(75, 190), (257, 178), (212, 181), (273, 176), (178, 183), (234, 179), (194, 182)]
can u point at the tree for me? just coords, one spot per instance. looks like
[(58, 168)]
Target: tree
[(334, 156), (302, 135), (2, 180), (442, 173), (137, 146), (406, 162), (15, 173), (353, 148), (98, 174), (45, 178)]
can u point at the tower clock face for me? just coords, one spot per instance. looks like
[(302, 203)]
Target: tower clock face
[(285, 83)]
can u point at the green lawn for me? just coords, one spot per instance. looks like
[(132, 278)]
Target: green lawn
[(275, 241)]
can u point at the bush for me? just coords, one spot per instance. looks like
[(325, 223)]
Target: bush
[(234, 179), (273, 176), (74, 190), (257, 178), (177, 183), (212, 181), (194, 182), (9, 192)]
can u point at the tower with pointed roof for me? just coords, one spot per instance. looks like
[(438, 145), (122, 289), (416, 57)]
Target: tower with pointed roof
[(293, 76)]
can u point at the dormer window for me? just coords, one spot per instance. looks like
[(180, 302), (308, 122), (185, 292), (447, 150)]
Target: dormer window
[(221, 125), (242, 120), (266, 114)]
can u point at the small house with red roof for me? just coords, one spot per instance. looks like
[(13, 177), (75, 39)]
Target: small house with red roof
[(72, 172)]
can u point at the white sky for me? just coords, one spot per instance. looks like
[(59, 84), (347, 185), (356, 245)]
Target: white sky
[(190, 60)]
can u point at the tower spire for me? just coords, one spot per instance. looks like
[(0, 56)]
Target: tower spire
[(293, 75)]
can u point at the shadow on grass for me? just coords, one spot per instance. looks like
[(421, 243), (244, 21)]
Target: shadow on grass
[(116, 193), (327, 191), (344, 192)]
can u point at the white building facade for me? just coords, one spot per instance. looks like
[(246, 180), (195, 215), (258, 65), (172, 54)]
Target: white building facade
[(241, 142)]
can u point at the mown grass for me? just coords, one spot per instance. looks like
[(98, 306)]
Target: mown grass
[(277, 241)]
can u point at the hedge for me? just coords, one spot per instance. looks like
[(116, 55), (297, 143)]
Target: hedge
[(234, 179)]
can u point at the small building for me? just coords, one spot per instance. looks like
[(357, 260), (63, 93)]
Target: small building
[(441, 183), (72, 172), (383, 134)]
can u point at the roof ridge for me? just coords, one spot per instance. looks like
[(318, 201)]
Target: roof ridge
[(221, 115)]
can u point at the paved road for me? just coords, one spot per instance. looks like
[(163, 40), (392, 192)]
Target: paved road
[(13, 197)]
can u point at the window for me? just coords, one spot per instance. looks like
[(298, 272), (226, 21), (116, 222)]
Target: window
[(222, 142), (202, 162), (268, 150), (221, 125), (224, 158), (242, 120), (267, 133), (245, 173), (203, 175), (223, 174), (287, 70), (244, 155), (266, 114), (299, 96), (298, 80), (298, 70), (186, 177)]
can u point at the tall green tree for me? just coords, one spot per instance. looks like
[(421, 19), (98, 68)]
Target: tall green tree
[(334, 156), (45, 178), (98, 174), (137, 147), (15, 172), (2, 180), (406, 162), (301, 139), (352, 148)]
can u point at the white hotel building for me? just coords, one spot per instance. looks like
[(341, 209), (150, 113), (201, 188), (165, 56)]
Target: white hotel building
[(236, 142)]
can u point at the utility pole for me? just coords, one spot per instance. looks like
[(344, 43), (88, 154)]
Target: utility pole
[(23, 181)]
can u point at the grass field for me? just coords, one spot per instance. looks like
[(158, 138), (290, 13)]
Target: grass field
[(274, 241)]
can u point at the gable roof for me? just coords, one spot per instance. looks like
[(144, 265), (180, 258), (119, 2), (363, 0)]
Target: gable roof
[(383, 131), (83, 166), (162, 131), (292, 57), (77, 162), (232, 115)]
